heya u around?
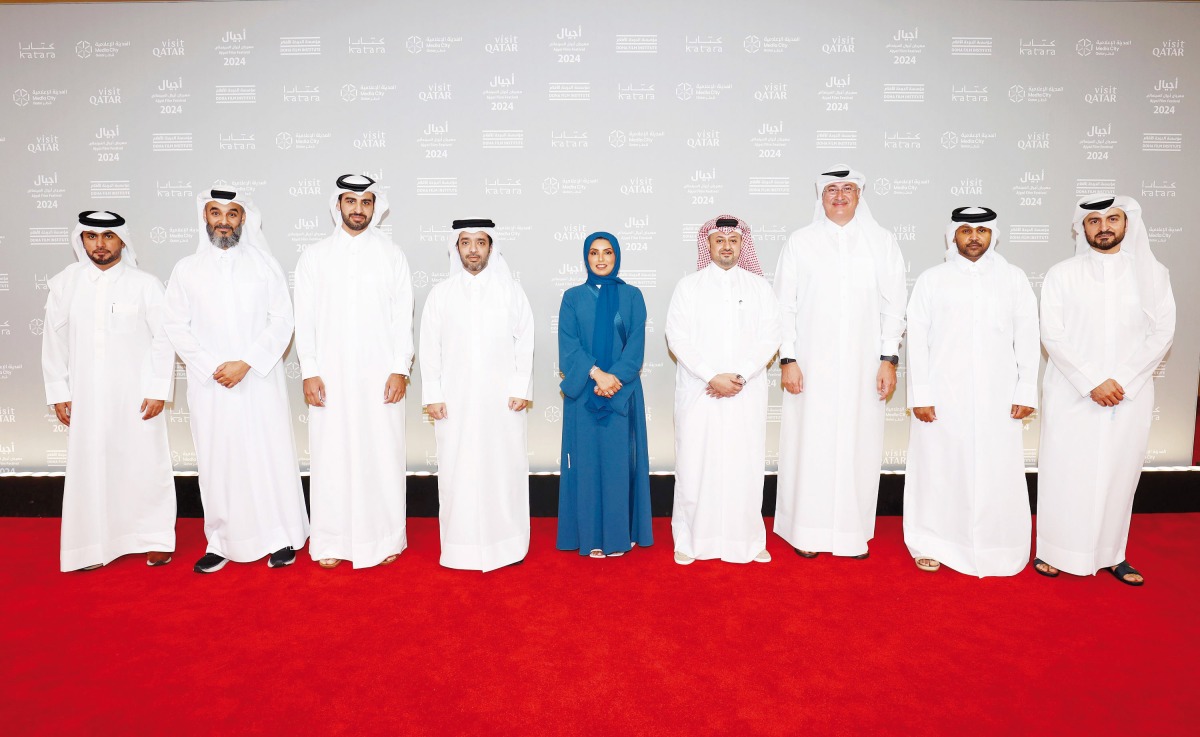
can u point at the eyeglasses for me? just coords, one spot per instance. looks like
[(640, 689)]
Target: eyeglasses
[(846, 189)]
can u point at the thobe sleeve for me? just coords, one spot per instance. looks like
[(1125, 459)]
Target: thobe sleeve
[(430, 353), (679, 335), (56, 346), (573, 361), (177, 324), (920, 380), (1066, 356), (1137, 369), (628, 365), (402, 317), (893, 292), (520, 385), (787, 287), (306, 317), (273, 339), (1025, 340), (158, 370), (766, 337)]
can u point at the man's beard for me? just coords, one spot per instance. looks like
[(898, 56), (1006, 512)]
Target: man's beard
[(353, 225), (224, 242), (112, 256), (478, 266), (1095, 242)]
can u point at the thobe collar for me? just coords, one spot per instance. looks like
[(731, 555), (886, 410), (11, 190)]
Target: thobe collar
[(95, 273), (849, 228), (479, 279), (229, 254), (967, 266), (720, 273)]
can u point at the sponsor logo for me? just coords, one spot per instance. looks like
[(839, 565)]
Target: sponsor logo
[(299, 45), (701, 91), (905, 46), (635, 43), (503, 139), (371, 139), (568, 139), (1158, 189), (1037, 47), (838, 45), (969, 93), (640, 138), (169, 47), (36, 51), (902, 140), (904, 92), (1101, 93), (39, 97), (1034, 140), (703, 45), (501, 187), (836, 140), (568, 45), (1169, 48), (502, 45), (1100, 47), (298, 93), (569, 91), (971, 46), (635, 92), (837, 94), (436, 92), (377, 46), (237, 142)]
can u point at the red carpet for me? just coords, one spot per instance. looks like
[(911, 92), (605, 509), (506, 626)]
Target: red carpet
[(564, 645)]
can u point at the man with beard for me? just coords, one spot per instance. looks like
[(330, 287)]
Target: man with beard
[(109, 369), (1108, 318), (477, 380), (229, 317), (972, 378), (723, 327), (840, 283), (354, 308)]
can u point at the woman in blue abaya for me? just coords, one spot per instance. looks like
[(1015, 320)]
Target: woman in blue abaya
[(604, 489)]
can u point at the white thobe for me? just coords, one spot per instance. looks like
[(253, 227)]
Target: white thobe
[(227, 306), (1094, 329), (842, 293), (104, 351), (354, 308), (721, 322), (973, 353), (477, 351)]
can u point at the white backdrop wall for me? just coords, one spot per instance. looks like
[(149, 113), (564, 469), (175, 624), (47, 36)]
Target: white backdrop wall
[(557, 119)]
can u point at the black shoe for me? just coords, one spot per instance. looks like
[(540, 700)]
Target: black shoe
[(282, 557), (210, 563), (805, 553), (864, 556)]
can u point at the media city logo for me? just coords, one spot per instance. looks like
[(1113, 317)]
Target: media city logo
[(1100, 47)]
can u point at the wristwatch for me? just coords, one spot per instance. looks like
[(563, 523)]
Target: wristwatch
[(890, 359), (786, 361)]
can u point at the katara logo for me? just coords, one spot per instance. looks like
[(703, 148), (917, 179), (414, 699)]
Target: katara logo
[(616, 139), (37, 326), (550, 185), (684, 91), (21, 97), (158, 235), (1016, 93), (883, 186), (1083, 47), (752, 44), (83, 49), (284, 141), (553, 414), (414, 44), (349, 92), (420, 279), (949, 140)]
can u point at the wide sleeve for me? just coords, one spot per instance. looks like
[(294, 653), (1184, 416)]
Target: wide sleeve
[(1067, 357), (402, 317), (56, 346), (430, 352), (893, 293), (177, 324), (680, 339), (1139, 367), (573, 361), (920, 379), (787, 288), (767, 334), (273, 339), (306, 317), (158, 369), (520, 384), (628, 365), (1025, 340)]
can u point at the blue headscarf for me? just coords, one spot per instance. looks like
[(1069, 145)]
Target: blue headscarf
[(606, 313)]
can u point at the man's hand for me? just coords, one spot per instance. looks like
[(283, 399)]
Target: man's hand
[(63, 411), (1108, 394), (925, 414), (1020, 411), (792, 378), (394, 388), (314, 392), (230, 373), (725, 385), (885, 380), (516, 404), (152, 408), (436, 411), (606, 384)]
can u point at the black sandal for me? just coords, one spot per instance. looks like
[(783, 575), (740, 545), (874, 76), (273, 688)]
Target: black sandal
[(1123, 569), (805, 553), (1040, 572)]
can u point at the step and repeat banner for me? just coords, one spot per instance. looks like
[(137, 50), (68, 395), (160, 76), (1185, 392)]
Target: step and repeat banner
[(558, 119)]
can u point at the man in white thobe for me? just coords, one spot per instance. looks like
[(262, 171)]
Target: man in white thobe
[(109, 369), (1108, 319), (840, 283), (229, 317), (723, 326), (476, 359), (973, 359), (354, 308)]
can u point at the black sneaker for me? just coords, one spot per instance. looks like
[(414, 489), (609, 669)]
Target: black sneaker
[(210, 563), (282, 557)]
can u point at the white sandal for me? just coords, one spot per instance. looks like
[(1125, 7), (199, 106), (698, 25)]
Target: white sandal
[(925, 563), (596, 553)]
